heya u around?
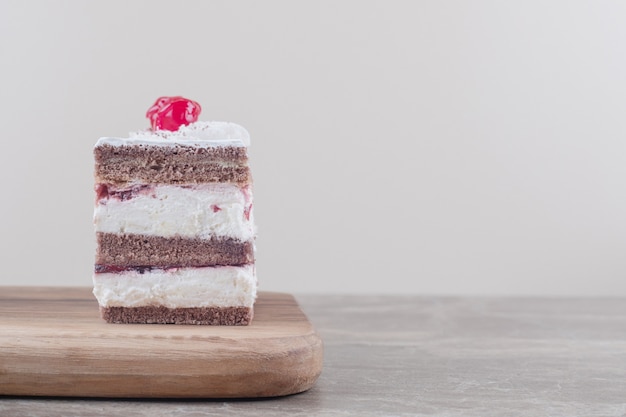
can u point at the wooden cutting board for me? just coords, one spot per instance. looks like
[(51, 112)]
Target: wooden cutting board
[(54, 343)]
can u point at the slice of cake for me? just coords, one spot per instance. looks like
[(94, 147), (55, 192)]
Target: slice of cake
[(174, 223)]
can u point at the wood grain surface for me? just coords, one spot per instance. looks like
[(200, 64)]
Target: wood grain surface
[(54, 343), (408, 356)]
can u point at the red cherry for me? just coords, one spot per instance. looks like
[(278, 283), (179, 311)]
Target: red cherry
[(170, 113)]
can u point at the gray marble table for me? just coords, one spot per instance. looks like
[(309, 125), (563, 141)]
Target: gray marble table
[(430, 356)]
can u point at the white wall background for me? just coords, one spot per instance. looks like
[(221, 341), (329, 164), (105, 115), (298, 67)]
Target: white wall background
[(446, 147)]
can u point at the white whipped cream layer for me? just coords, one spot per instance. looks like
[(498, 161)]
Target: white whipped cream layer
[(198, 134), (223, 286), (198, 211)]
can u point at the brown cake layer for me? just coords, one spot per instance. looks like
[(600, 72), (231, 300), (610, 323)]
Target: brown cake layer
[(171, 164), (130, 250), (218, 316)]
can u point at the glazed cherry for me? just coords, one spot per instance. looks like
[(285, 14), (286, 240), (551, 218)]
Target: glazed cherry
[(170, 113)]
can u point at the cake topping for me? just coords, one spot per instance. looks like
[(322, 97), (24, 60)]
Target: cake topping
[(199, 134), (170, 113)]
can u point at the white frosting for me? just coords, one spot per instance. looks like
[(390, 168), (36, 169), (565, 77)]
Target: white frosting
[(182, 287), (168, 210), (199, 134)]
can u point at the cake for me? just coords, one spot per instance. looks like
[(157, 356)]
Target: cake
[(174, 223)]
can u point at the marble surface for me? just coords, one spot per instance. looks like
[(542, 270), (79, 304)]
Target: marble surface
[(430, 356)]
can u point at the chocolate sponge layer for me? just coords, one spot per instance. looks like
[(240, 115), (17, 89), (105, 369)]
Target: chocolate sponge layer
[(218, 316), (131, 250), (171, 164)]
